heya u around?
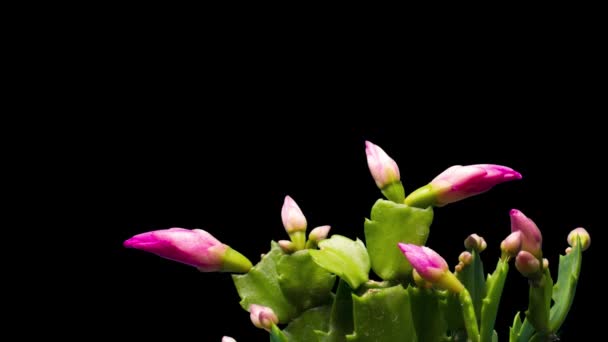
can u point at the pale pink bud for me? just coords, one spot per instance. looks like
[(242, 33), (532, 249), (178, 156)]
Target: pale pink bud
[(531, 238), (465, 258), (511, 245), (545, 263), (429, 265), (192, 247), (319, 233), (383, 168), (475, 242), (262, 317), (527, 264), (287, 246), (583, 236), (459, 182), (293, 219), (568, 250), (228, 339)]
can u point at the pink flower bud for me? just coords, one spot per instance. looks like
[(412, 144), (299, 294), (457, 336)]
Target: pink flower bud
[(192, 247), (429, 265), (319, 233), (511, 245), (228, 339), (459, 182), (531, 238), (527, 264), (262, 317), (583, 235), (383, 168), (293, 219), (475, 242)]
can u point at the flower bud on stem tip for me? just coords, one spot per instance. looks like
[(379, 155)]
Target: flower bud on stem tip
[(294, 222), (583, 235), (262, 317), (475, 242)]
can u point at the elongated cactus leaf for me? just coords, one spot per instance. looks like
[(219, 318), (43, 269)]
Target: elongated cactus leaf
[(472, 277), (565, 287), (494, 286)]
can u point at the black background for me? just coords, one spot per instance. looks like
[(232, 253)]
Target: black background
[(212, 131)]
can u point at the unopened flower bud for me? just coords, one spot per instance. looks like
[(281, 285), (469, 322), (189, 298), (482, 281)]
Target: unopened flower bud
[(319, 233), (431, 267), (465, 258), (459, 182), (228, 339), (294, 222), (383, 168), (292, 216), (583, 235), (568, 250), (531, 238), (545, 263), (511, 245), (194, 247), (475, 242), (287, 246), (527, 264), (262, 317)]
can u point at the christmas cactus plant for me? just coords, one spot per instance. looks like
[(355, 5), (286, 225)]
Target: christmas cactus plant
[(318, 288)]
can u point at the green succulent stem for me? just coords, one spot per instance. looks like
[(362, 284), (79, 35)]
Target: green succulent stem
[(489, 309), (423, 197), (299, 239), (468, 315), (394, 192), (539, 302)]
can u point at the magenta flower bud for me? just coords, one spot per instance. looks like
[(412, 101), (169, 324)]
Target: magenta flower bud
[(262, 317), (459, 182), (527, 264), (319, 233), (583, 235), (228, 339), (431, 266), (383, 168), (475, 242), (293, 219), (192, 247), (531, 238)]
